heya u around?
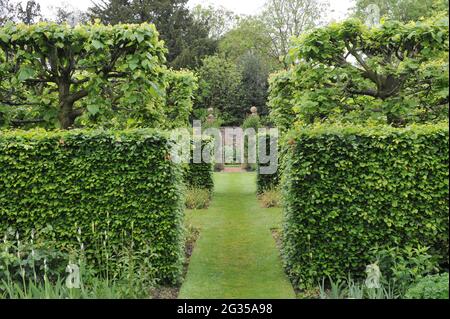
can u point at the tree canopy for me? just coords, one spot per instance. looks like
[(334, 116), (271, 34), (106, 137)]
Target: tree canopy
[(397, 72), (187, 39), (219, 81), (402, 10), (288, 18), (56, 74)]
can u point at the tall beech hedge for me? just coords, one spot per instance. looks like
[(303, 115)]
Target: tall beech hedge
[(122, 183), (266, 182), (180, 89), (348, 189), (200, 175)]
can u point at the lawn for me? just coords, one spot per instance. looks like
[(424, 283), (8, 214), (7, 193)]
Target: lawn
[(236, 255)]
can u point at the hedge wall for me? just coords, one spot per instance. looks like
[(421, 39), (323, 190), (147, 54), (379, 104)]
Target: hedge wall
[(120, 182), (282, 90), (180, 89), (348, 189), (265, 182), (200, 175)]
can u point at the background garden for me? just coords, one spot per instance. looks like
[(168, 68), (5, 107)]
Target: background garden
[(87, 100)]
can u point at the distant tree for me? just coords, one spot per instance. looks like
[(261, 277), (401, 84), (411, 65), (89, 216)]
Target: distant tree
[(29, 13), (254, 82), (219, 88), (66, 13), (250, 35), (112, 11), (402, 10), (218, 19), (187, 39), (7, 11), (288, 18)]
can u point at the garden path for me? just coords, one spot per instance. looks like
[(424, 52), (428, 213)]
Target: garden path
[(236, 255)]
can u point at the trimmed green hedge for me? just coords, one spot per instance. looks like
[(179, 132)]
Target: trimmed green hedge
[(122, 183), (200, 175), (266, 182), (180, 90), (348, 189)]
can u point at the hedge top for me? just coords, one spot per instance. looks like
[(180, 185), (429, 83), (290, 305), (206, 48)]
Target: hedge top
[(367, 130), (38, 134)]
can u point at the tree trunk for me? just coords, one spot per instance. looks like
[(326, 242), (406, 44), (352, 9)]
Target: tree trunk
[(65, 106)]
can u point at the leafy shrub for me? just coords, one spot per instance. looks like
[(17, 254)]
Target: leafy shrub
[(281, 94), (405, 266), (197, 198), (110, 184), (36, 268), (30, 258), (347, 189), (270, 198), (252, 121), (430, 287)]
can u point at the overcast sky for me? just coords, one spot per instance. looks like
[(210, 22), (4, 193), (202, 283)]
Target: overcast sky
[(338, 8)]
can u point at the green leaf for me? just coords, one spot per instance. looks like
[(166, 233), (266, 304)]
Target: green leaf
[(25, 73), (93, 109), (97, 44)]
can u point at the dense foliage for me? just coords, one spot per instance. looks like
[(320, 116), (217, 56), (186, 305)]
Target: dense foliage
[(281, 99), (198, 173), (267, 182), (186, 38), (56, 74), (219, 81), (99, 184), (395, 73), (430, 287), (348, 189), (402, 10), (180, 91)]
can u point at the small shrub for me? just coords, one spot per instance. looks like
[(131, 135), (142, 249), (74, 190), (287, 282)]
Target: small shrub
[(197, 198), (430, 287), (405, 265), (270, 198), (252, 121)]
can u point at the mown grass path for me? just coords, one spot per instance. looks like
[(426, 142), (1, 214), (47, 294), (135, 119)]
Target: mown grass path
[(236, 255)]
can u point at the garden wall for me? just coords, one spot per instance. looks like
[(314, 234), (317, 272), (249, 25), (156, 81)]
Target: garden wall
[(120, 184), (348, 189)]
